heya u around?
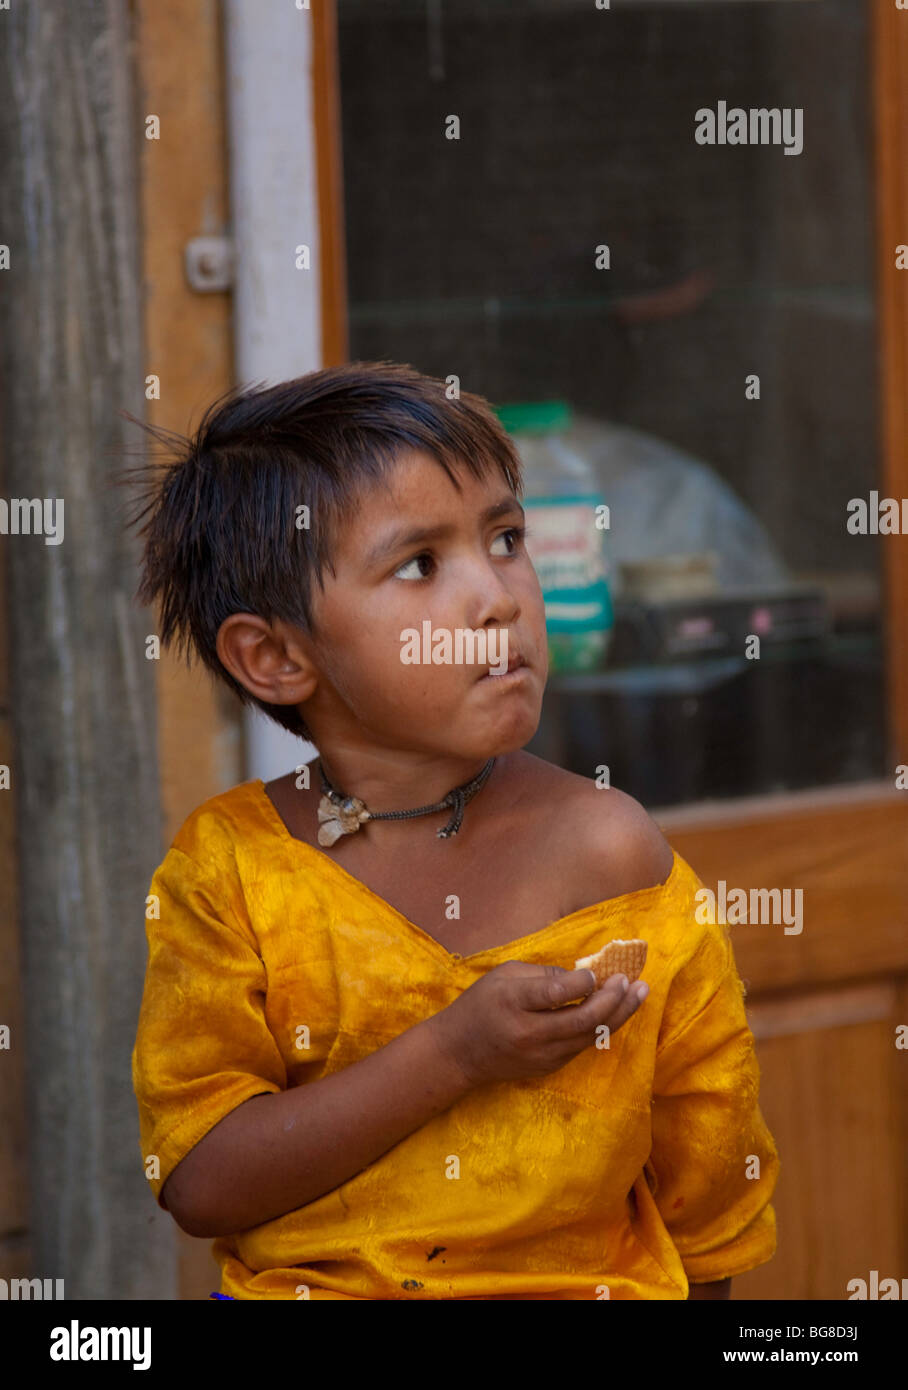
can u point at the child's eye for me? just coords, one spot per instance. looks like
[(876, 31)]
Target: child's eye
[(517, 532), (399, 573)]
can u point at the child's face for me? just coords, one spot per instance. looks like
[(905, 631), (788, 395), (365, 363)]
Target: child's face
[(477, 575)]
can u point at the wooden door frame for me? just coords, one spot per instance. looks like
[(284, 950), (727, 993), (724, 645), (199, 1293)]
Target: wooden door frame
[(888, 83), (330, 181)]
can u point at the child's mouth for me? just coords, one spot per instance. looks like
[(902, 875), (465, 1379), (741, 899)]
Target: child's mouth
[(516, 672)]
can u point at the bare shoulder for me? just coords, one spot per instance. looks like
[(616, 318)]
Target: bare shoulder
[(611, 841)]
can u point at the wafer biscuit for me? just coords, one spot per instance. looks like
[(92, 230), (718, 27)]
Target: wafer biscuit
[(615, 958)]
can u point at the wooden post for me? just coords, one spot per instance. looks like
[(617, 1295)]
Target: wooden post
[(84, 746)]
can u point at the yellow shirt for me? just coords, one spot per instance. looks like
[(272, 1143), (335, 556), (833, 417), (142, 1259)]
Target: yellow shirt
[(625, 1174)]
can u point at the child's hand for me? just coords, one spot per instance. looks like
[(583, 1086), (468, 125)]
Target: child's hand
[(509, 1025)]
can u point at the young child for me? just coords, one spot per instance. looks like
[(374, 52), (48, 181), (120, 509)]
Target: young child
[(364, 1061)]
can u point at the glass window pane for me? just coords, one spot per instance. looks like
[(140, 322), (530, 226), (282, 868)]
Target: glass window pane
[(705, 310)]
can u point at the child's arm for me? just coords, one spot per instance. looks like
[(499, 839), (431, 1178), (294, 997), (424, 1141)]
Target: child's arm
[(226, 1143), (275, 1153)]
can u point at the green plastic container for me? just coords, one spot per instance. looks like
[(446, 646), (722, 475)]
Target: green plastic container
[(565, 515)]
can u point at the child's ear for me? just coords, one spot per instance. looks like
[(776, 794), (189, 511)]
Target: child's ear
[(267, 659)]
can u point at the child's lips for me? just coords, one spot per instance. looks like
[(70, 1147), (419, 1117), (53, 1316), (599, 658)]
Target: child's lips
[(517, 669)]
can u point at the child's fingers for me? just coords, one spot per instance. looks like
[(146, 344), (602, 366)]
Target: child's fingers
[(554, 987), (627, 1005), (612, 1004), (597, 1004)]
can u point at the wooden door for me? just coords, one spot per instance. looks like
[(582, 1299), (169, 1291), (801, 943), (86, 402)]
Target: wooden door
[(825, 1007)]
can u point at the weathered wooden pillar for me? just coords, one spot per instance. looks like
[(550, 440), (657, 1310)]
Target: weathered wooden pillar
[(84, 765)]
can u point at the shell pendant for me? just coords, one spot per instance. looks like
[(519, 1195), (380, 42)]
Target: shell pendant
[(337, 818)]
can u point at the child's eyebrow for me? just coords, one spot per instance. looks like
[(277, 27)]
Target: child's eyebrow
[(418, 535)]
